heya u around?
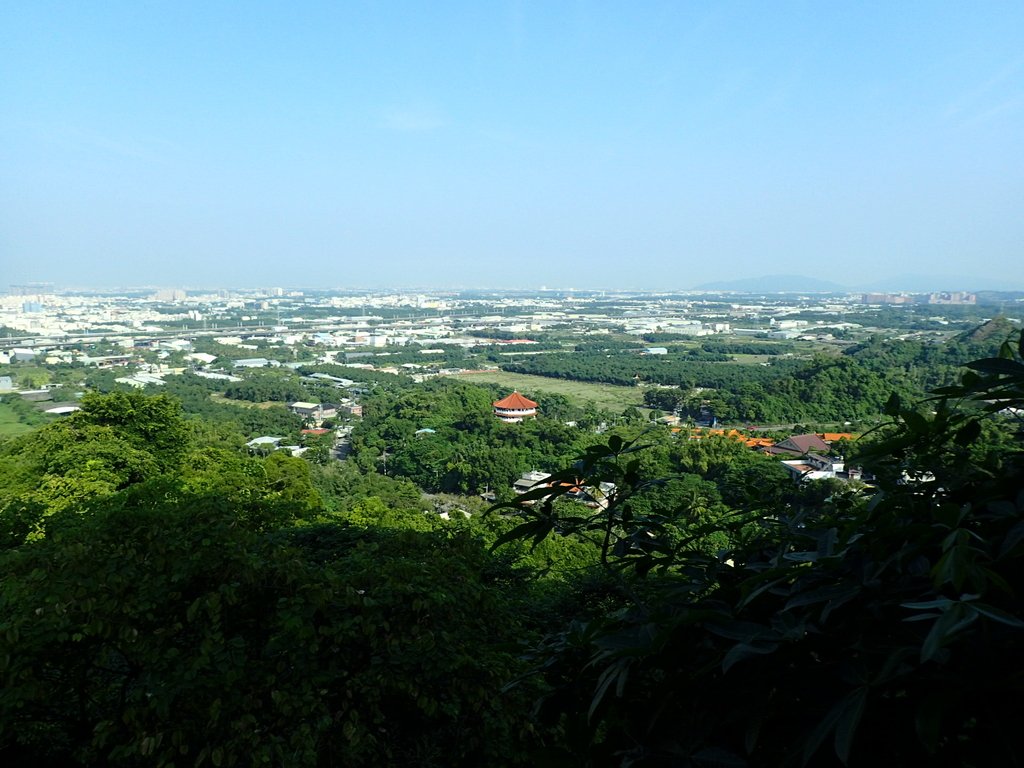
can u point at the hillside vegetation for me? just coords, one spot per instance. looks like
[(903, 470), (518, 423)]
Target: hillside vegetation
[(170, 599)]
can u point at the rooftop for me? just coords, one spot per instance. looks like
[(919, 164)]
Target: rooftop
[(515, 402)]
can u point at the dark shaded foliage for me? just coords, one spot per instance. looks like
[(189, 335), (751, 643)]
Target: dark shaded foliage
[(848, 630)]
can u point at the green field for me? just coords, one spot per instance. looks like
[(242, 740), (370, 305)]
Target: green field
[(217, 397), (610, 397), (741, 359), (9, 423)]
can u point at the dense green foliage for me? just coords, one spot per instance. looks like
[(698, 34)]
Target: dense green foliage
[(195, 393), (749, 347), (443, 436), (264, 386), (168, 600), (881, 631), (171, 599), (121, 440), (160, 631)]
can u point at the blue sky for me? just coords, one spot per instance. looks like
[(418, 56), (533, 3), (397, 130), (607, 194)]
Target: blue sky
[(644, 145)]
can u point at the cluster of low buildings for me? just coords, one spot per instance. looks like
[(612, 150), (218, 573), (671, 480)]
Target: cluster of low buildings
[(811, 457), (58, 327), (938, 297)]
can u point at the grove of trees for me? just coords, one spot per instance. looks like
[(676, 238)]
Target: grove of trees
[(854, 385)]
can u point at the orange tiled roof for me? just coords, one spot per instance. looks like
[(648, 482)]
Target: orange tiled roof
[(733, 434), (831, 437), (515, 402)]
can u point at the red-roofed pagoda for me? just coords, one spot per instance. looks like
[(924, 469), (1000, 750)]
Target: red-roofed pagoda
[(514, 408)]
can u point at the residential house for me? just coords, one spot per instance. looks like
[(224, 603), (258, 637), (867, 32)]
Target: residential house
[(799, 445), (314, 411), (528, 480), (814, 466)]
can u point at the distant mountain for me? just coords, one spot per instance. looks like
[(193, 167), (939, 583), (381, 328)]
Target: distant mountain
[(775, 284)]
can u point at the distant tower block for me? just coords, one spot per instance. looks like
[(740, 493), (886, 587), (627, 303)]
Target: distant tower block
[(514, 408)]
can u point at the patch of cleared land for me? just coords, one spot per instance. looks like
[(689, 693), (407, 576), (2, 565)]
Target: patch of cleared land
[(609, 397)]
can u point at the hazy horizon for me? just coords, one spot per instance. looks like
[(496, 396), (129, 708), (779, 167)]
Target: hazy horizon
[(657, 147), (759, 285)]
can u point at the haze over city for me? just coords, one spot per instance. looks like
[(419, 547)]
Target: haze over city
[(652, 146)]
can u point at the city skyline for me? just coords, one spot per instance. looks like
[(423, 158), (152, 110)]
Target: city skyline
[(511, 145)]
